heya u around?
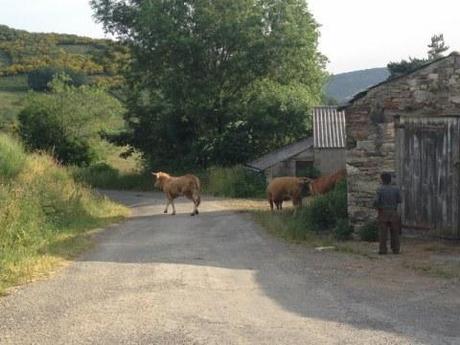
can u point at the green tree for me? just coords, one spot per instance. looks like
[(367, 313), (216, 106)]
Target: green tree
[(67, 122), (209, 77), (436, 49), (39, 79)]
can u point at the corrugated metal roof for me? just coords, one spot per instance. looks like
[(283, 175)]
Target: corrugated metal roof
[(329, 127), (282, 154)]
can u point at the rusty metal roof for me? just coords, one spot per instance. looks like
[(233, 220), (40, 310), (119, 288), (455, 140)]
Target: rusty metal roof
[(329, 127)]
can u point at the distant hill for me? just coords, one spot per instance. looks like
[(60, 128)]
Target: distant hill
[(343, 86), (22, 52)]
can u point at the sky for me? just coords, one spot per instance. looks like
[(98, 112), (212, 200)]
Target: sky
[(355, 34)]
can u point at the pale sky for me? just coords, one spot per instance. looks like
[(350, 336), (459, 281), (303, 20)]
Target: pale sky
[(355, 34)]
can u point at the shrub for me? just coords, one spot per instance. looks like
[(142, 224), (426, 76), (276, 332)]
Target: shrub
[(40, 79), (369, 232), (235, 182), (324, 211), (102, 175), (67, 121), (343, 229), (319, 215)]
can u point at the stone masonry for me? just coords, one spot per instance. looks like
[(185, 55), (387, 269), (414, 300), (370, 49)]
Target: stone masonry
[(372, 116)]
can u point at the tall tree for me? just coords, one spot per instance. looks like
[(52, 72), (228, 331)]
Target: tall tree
[(437, 47), (211, 76)]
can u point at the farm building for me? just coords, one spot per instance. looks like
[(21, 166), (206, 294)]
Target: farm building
[(325, 150), (410, 126)]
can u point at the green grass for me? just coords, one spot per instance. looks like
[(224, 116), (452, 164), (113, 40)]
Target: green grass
[(14, 83), (235, 182), (10, 106), (290, 227), (45, 215), (105, 176)]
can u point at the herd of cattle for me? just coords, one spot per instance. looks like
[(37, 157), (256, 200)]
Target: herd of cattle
[(279, 189)]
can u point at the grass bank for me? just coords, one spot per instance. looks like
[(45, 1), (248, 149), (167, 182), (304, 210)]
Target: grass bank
[(45, 216)]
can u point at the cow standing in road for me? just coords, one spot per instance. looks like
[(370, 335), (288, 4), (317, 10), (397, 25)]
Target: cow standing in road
[(187, 185)]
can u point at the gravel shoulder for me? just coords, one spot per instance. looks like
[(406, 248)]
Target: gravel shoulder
[(219, 278)]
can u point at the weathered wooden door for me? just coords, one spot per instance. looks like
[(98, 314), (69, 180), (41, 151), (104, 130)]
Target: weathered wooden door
[(429, 173)]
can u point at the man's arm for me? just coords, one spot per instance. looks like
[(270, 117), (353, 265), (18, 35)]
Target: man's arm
[(377, 200)]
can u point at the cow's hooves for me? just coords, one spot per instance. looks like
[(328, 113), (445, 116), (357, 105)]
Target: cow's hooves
[(165, 211), (196, 212), (173, 214), (192, 214)]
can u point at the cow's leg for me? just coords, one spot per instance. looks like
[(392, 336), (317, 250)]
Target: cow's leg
[(167, 205), (174, 207), (196, 202)]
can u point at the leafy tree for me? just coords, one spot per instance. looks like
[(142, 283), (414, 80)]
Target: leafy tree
[(67, 121), (405, 66), (436, 49), (39, 79), (216, 82)]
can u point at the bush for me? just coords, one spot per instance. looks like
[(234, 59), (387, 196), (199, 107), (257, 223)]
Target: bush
[(343, 229), (40, 79), (67, 122), (42, 129), (235, 182), (102, 175), (325, 211), (369, 232)]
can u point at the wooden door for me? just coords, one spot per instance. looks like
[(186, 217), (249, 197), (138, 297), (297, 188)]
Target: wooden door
[(428, 158)]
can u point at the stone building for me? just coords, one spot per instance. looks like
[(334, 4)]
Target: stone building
[(409, 126), (325, 150)]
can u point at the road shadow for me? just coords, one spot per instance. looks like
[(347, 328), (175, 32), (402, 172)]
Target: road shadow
[(312, 284)]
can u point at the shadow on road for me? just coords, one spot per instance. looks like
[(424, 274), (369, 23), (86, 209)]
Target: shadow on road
[(327, 286)]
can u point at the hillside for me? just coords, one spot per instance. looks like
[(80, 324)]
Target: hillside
[(22, 52), (343, 86)]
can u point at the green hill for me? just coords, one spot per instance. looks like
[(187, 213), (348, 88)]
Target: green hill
[(342, 87), (22, 52)]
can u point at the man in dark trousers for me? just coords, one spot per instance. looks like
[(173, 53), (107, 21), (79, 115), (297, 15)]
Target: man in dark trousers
[(386, 202)]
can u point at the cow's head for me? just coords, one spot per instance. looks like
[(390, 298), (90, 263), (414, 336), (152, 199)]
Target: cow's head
[(304, 183), (157, 176)]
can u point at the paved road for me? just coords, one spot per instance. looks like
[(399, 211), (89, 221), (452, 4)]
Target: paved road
[(220, 279)]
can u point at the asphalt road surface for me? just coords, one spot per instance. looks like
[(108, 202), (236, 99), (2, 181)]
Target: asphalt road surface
[(219, 278)]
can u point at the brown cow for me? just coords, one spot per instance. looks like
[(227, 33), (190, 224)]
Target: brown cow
[(187, 185), (324, 184), (285, 188)]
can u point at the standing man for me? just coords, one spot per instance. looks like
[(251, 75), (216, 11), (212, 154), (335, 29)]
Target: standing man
[(386, 202)]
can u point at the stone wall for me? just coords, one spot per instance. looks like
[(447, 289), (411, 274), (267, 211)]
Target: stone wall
[(433, 90)]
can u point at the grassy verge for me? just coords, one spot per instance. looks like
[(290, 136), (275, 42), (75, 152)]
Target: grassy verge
[(45, 216), (291, 228), (10, 105), (234, 182), (433, 258), (105, 176)]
